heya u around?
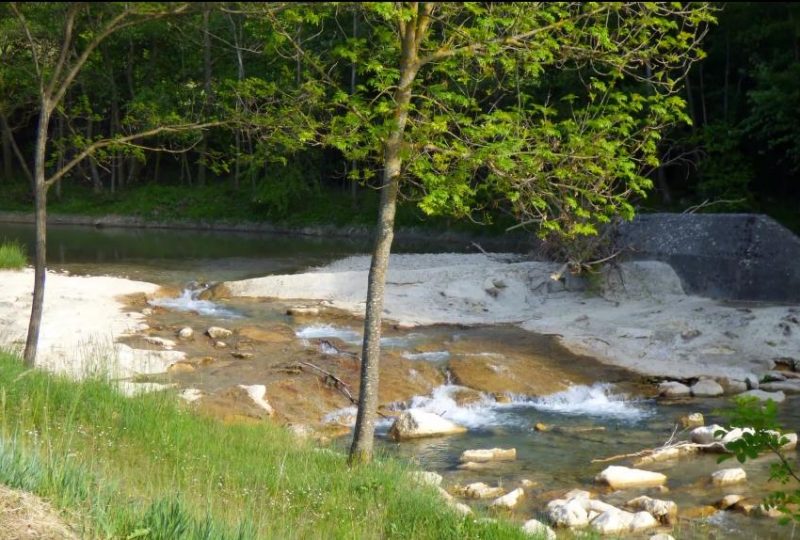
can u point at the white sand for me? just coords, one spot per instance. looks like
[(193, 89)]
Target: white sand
[(82, 319), (642, 320)]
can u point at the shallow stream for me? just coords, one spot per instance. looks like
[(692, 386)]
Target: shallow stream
[(605, 412)]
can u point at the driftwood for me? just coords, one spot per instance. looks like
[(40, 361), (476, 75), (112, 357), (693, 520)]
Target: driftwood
[(689, 446)]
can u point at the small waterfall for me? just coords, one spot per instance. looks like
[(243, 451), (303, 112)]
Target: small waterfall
[(189, 300)]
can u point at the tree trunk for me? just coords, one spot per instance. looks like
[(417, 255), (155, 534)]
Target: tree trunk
[(201, 166), (17, 151), (363, 438), (40, 262)]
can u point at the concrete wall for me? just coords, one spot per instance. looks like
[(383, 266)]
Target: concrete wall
[(726, 256)]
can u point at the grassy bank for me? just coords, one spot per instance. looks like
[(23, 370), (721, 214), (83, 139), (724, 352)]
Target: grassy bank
[(12, 256), (146, 468)]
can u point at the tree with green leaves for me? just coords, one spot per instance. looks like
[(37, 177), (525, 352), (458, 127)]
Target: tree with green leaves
[(556, 108)]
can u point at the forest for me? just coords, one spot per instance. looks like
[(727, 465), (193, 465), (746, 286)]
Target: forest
[(248, 107)]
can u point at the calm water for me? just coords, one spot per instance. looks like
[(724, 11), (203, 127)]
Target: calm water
[(553, 460)]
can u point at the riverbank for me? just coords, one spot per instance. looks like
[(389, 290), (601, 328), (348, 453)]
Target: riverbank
[(634, 315)]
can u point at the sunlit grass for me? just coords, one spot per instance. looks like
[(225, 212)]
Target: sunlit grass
[(12, 256), (146, 466)]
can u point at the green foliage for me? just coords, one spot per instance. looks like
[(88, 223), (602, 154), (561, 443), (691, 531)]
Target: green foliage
[(12, 256), (765, 436), (146, 467)]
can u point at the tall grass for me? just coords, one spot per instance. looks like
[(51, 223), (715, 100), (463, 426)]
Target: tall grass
[(12, 256), (144, 467)]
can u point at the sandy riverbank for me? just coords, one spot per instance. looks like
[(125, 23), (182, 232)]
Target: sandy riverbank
[(83, 318), (636, 316)]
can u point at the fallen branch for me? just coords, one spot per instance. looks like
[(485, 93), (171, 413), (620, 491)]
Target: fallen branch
[(338, 383)]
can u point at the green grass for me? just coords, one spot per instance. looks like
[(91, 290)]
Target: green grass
[(12, 256), (145, 467)]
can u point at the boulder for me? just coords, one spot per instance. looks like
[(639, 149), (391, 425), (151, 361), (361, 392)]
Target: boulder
[(490, 454), (613, 522), (567, 513), (673, 389), (666, 454), (706, 434), (258, 393), (642, 521), (479, 490), (415, 423), (662, 536), (732, 386), (509, 500), (790, 387), (664, 511), (624, 477), (729, 501), (538, 529), (707, 388), (692, 420), (791, 443), (461, 508), (216, 332), (726, 477), (777, 397), (185, 333), (242, 355)]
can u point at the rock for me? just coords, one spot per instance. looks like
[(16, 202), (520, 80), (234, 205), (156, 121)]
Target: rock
[(147, 311), (791, 444), (539, 426), (773, 376), (692, 420), (698, 512), (527, 484), (726, 477), (729, 501), (415, 423), (473, 466), (642, 521), (502, 397), (220, 344), (492, 454), (772, 512), (706, 434), (277, 333), (664, 511), (613, 522), (666, 454), (732, 386), (790, 387), (707, 388), (579, 494), (185, 333), (624, 477), (538, 529), (180, 367), (509, 500), (160, 342), (777, 397), (598, 507), (752, 381), (258, 393), (191, 394), (567, 513), (688, 335), (216, 332), (466, 396), (461, 508), (427, 478), (445, 495), (479, 490), (303, 311), (673, 389), (662, 536), (242, 355)]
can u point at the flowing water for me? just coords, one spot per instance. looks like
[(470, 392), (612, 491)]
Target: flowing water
[(606, 414)]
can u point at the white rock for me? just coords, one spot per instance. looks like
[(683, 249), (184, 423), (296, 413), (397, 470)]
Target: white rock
[(509, 500), (597, 506), (664, 511), (191, 394), (567, 513), (445, 495), (732, 386), (693, 420), (536, 528), (258, 393), (790, 387), (642, 521), (792, 441), (426, 478), (726, 477), (612, 522), (185, 333), (728, 501), (489, 454), (216, 332), (577, 494), (461, 508), (673, 389), (479, 490), (220, 344), (415, 423), (706, 434), (662, 536), (707, 388), (777, 397), (666, 454), (624, 477), (160, 342)]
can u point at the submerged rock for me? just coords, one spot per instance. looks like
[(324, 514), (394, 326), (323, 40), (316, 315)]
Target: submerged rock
[(480, 490), (664, 511), (536, 528), (692, 420), (624, 477), (216, 332), (415, 423), (490, 454), (726, 477), (185, 333)]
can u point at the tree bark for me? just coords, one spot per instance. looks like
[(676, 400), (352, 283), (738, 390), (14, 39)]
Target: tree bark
[(363, 439), (40, 270)]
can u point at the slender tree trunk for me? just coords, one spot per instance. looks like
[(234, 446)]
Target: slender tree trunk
[(40, 261), (20, 158), (60, 162), (97, 182), (363, 438)]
